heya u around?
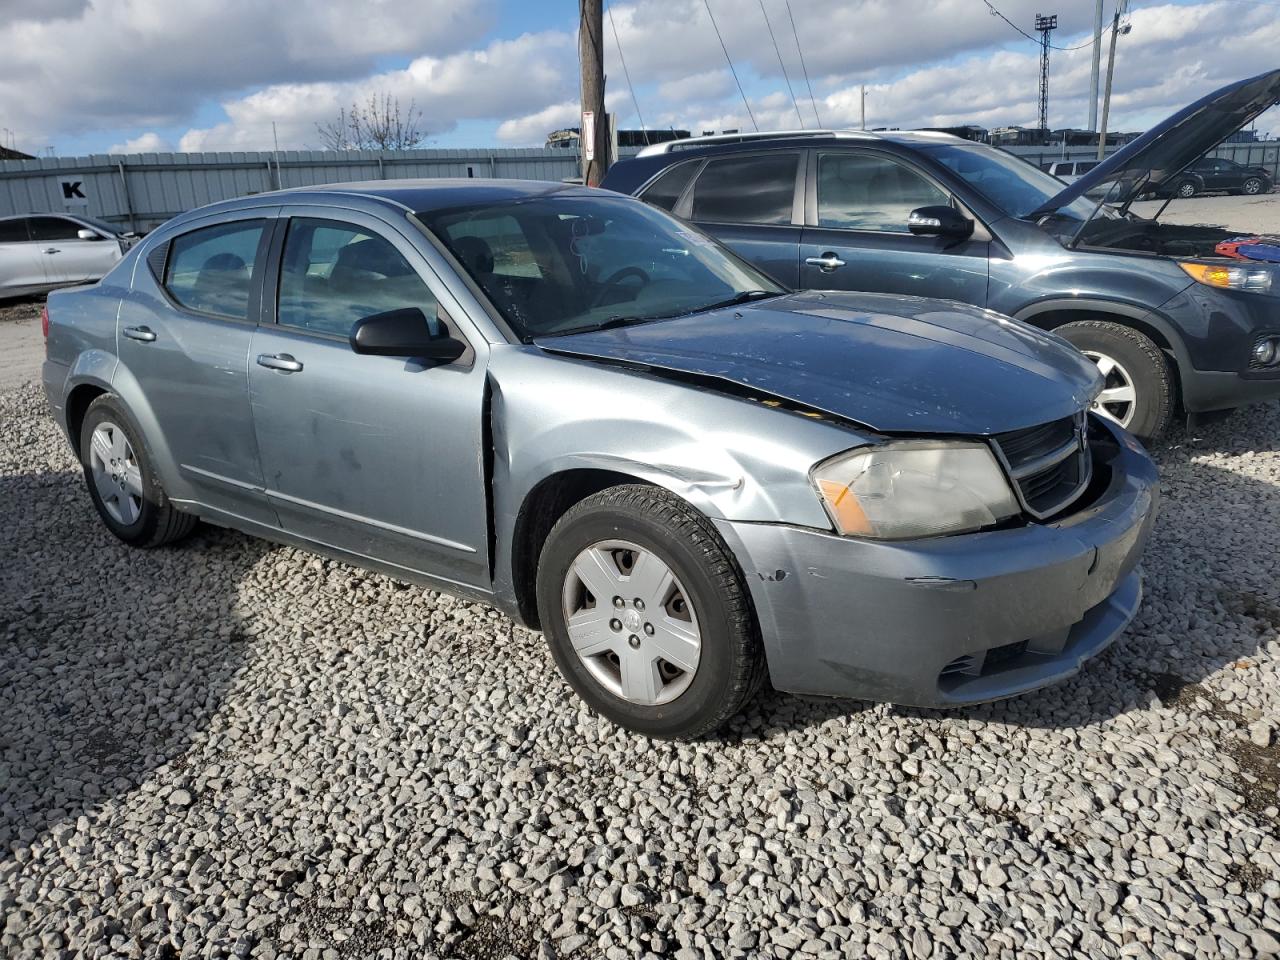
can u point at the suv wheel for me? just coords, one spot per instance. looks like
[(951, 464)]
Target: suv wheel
[(122, 481), (1252, 186), (646, 613), (1137, 390), (1185, 189)]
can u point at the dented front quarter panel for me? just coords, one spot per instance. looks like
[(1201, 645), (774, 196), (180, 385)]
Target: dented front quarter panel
[(731, 458)]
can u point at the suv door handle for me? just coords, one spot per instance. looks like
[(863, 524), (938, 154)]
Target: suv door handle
[(827, 262), (52, 250), (144, 334), (279, 361)]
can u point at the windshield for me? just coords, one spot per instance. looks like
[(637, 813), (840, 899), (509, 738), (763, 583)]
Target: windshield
[(553, 265), (1013, 185)]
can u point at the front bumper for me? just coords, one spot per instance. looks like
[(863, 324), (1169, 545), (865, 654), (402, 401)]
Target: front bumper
[(952, 620)]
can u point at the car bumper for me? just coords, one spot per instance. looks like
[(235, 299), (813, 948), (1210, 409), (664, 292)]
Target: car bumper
[(952, 620)]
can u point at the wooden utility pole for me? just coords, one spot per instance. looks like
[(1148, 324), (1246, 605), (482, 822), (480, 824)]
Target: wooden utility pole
[(594, 139), (1106, 97)]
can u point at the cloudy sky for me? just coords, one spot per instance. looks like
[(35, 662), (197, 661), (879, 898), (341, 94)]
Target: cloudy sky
[(126, 75)]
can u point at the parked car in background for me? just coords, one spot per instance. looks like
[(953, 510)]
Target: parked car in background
[(1217, 175), (1069, 171), (574, 406), (1173, 326), (42, 251)]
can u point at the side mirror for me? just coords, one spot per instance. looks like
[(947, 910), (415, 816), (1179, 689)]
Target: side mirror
[(939, 221), (85, 234), (405, 333)]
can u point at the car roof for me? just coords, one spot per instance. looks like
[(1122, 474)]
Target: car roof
[(417, 196), (785, 137)]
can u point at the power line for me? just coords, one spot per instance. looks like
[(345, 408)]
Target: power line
[(794, 101), (812, 101), (729, 60), (627, 74)]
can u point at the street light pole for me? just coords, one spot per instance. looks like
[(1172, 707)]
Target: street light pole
[(1111, 68), (1093, 74)]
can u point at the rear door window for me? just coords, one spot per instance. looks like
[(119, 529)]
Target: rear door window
[(666, 190), (335, 273), (755, 189), (211, 270), (14, 231), (868, 192)]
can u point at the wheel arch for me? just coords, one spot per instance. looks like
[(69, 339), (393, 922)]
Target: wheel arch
[(1051, 314), (545, 503)]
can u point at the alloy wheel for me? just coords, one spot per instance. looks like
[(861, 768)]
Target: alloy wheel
[(1252, 186), (116, 473), (1186, 189), (1118, 400), (631, 622)]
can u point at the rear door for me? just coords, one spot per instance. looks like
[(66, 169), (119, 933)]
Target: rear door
[(856, 237), (21, 263), (379, 456), (754, 204), (184, 335), (68, 259)]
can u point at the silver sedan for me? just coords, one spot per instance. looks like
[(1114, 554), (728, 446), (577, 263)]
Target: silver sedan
[(584, 411)]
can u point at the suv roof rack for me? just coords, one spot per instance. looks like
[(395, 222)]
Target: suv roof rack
[(690, 143)]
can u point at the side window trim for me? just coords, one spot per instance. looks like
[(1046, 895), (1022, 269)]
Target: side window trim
[(811, 191), (684, 207), (268, 218), (684, 204)]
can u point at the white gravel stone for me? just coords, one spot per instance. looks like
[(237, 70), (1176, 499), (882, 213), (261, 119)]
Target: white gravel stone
[(232, 749)]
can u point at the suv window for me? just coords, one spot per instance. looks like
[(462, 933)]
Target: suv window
[(666, 190), (14, 231), (334, 274), (757, 189), (211, 269), (53, 228), (865, 192)]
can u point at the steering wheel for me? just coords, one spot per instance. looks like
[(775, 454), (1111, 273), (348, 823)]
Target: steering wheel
[(616, 278)]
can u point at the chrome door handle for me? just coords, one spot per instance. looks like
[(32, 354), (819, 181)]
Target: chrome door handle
[(144, 334), (279, 361), (52, 250), (827, 262)]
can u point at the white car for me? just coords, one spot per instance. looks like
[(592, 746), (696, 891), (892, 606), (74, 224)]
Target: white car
[(41, 251), (1069, 171)]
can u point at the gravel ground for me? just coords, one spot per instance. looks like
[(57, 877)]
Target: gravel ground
[(228, 748), (27, 309)]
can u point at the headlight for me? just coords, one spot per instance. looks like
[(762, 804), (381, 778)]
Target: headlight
[(914, 488), (1251, 279)]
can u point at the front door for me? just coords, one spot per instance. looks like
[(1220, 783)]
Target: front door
[(186, 344), (68, 259), (21, 262), (379, 456), (857, 237)]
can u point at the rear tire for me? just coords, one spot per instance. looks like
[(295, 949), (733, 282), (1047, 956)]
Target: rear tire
[(613, 538), (1130, 359), (1251, 187), (122, 481)]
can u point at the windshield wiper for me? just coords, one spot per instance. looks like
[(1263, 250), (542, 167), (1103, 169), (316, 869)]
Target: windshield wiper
[(744, 297)]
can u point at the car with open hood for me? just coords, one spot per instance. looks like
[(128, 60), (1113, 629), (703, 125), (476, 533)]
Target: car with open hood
[(1175, 326), (581, 410)]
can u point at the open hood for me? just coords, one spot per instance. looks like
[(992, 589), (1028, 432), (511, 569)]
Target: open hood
[(1173, 144), (894, 364)]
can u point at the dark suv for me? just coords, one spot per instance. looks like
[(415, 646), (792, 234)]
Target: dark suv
[(1216, 175), (1173, 325)]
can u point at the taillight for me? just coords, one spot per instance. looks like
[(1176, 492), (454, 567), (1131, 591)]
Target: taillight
[(44, 321)]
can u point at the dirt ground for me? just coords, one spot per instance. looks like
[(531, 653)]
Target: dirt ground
[(20, 309), (1246, 214)]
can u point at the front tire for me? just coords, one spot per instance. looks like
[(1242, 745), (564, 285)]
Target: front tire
[(1186, 189), (122, 481), (1138, 387), (647, 615)]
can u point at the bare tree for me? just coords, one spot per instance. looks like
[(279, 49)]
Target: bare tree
[(378, 124)]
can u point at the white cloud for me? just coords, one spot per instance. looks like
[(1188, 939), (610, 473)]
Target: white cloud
[(149, 142)]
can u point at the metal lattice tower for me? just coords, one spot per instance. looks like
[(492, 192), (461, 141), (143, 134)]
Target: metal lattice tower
[(1045, 25)]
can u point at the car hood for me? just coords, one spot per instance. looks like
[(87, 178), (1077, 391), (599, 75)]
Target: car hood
[(1172, 145), (891, 363)]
